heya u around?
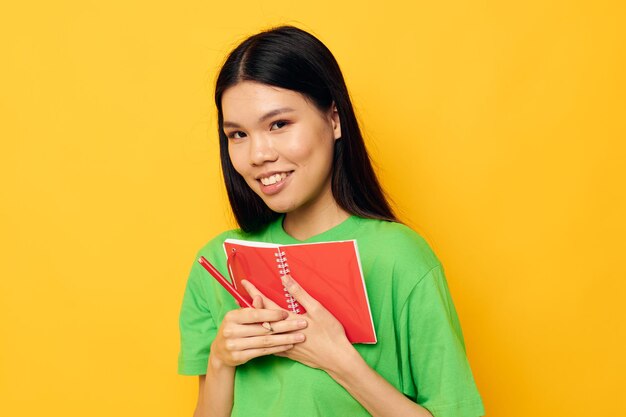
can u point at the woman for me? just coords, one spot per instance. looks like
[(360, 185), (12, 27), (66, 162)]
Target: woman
[(296, 170)]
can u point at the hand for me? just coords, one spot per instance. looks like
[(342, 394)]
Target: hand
[(241, 335), (326, 345)]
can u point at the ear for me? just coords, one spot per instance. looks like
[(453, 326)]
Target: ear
[(336, 123)]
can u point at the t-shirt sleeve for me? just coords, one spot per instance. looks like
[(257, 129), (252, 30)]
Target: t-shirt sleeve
[(197, 327), (438, 362)]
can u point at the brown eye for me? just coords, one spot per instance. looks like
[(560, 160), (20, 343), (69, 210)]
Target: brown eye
[(236, 135), (278, 124)]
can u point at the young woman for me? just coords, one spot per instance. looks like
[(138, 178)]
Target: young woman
[(296, 170)]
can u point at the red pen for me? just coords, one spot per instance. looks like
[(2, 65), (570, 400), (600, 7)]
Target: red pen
[(229, 287)]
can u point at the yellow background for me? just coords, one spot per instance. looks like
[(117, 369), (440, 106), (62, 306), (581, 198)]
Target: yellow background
[(498, 129)]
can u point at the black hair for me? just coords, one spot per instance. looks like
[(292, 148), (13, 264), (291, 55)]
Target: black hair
[(290, 58)]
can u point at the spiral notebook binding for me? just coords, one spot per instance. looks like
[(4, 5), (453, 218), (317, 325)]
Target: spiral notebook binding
[(283, 269)]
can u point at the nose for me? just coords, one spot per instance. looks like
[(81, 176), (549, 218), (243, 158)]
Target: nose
[(262, 150)]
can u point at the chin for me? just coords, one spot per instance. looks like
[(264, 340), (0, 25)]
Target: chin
[(280, 207)]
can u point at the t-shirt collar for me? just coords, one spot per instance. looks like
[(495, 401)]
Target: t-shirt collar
[(343, 231)]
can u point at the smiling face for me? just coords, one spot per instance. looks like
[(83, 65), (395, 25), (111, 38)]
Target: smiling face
[(282, 145)]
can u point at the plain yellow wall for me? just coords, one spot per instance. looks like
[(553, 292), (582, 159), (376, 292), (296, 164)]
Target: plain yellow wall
[(498, 128)]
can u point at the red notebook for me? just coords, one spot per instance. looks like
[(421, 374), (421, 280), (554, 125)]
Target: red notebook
[(329, 271)]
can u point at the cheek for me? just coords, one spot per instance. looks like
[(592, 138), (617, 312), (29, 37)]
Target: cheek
[(299, 151), (308, 148), (236, 158)]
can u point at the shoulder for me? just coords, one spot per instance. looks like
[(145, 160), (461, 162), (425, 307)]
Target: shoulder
[(216, 242), (213, 251), (397, 238), (397, 245), (215, 245)]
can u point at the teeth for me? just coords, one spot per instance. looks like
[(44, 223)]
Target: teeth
[(273, 179)]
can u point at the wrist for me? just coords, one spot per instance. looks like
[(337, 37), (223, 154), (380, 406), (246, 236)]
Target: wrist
[(345, 364), (217, 366)]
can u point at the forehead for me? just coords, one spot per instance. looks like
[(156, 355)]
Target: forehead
[(249, 99)]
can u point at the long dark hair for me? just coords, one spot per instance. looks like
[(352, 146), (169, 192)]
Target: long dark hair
[(290, 58)]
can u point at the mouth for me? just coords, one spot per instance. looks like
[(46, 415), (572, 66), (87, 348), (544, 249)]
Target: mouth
[(273, 182), (274, 178)]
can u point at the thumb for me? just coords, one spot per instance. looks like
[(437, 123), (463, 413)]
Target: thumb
[(257, 301), (297, 292), (255, 293)]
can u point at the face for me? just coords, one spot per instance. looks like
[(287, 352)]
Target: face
[(281, 144)]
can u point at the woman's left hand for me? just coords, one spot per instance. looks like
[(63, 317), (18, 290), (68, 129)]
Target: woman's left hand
[(326, 345)]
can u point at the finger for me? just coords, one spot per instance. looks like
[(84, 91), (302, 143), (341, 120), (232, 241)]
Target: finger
[(299, 293), (254, 291), (247, 330), (261, 342), (259, 315), (257, 301), (246, 355)]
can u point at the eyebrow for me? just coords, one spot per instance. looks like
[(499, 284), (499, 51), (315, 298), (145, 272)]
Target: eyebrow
[(264, 117)]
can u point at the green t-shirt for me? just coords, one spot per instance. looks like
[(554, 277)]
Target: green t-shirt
[(420, 348)]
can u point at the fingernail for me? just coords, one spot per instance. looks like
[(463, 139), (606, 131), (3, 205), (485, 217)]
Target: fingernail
[(299, 337), (302, 323)]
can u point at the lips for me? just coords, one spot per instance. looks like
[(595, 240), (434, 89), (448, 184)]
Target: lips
[(273, 179), (273, 182)]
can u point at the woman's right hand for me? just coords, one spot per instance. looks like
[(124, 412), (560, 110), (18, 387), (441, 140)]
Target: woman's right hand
[(242, 337)]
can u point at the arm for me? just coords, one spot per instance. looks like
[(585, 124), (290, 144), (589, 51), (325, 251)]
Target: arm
[(327, 348), (239, 339), (373, 391), (215, 396)]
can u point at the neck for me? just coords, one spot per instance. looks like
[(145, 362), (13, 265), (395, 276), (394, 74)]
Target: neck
[(302, 225)]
